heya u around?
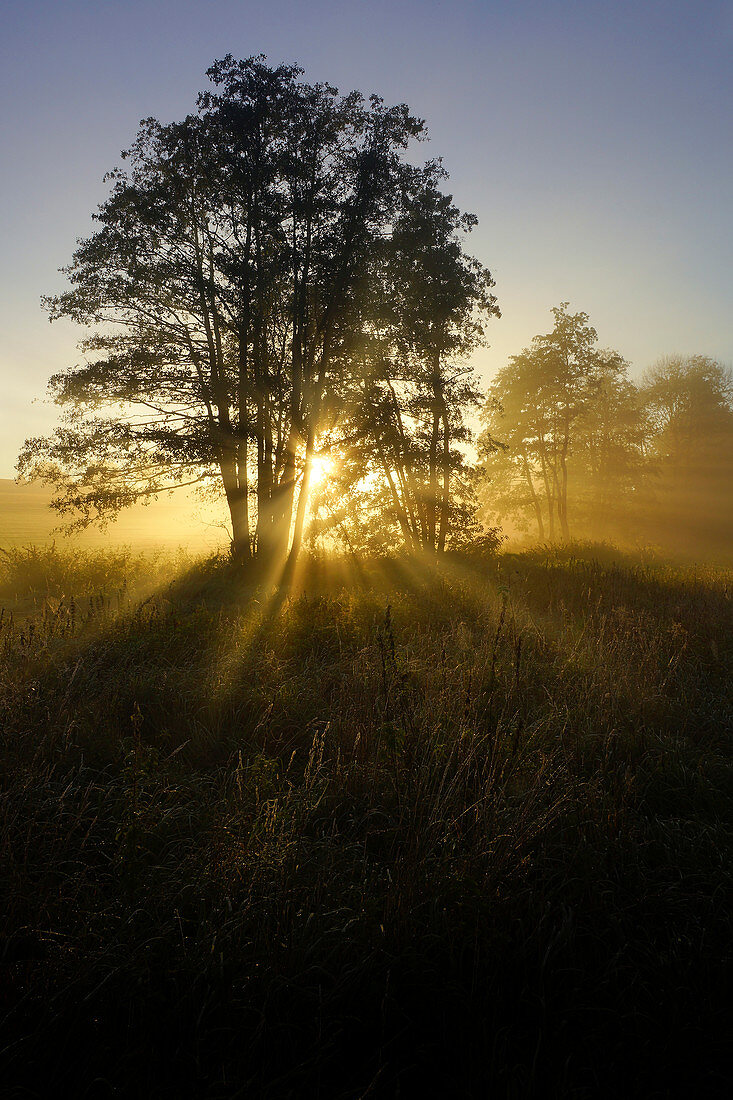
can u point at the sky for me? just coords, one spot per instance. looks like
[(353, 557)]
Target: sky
[(593, 140)]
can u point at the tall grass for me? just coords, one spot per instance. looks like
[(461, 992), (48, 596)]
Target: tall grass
[(34, 573), (415, 830)]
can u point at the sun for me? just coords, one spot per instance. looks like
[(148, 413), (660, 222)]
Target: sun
[(321, 467)]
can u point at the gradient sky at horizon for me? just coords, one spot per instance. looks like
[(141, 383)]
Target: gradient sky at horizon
[(594, 141)]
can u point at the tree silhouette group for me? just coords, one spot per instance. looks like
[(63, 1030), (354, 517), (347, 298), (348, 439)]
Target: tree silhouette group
[(265, 272), (273, 285), (570, 439)]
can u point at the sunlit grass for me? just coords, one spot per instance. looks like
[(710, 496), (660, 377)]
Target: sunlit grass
[(458, 827)]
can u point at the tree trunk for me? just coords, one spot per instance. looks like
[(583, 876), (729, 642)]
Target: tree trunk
[(563, 498), (550, 497), (264, 479), (562, 503), (236, 495), (432, 501), (282, 501), (409, 529), (535, 500), (302, 504), (415, 507), (242, 507), (445, 502)]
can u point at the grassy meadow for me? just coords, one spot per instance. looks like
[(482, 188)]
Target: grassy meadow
[(409, 830)]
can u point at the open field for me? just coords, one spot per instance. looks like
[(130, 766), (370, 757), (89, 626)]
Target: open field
[(178, 519), (411, 830)]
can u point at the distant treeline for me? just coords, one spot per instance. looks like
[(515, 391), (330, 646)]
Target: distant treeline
[(573, 447)]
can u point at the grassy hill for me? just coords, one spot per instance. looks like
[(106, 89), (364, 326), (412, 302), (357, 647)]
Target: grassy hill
[(406, 831)]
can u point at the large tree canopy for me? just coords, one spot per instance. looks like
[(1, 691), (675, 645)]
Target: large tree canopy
[(262, 271)]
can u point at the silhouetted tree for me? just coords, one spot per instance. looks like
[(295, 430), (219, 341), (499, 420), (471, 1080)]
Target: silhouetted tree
[(688, 402), (561, 409), (441, 299), (222, 281), (426, 311)]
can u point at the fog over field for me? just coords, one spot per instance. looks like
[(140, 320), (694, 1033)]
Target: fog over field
[(26, 518)]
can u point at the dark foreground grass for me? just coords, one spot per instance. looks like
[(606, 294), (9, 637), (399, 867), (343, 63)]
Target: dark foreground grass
[(409, 832)]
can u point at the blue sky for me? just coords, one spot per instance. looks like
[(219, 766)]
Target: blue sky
[(593, 140)]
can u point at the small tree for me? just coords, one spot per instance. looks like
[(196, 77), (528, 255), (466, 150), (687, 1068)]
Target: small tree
[(559, 410), (688, 401)]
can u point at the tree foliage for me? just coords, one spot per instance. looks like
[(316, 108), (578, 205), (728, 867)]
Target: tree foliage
[(259, 271), (402, 446), (572, 445), (557, 400), (688, 401)]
